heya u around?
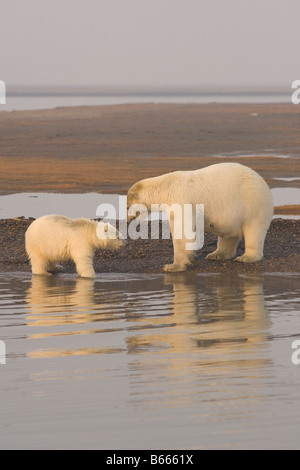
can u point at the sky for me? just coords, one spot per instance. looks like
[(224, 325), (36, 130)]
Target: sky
[(159, 43)]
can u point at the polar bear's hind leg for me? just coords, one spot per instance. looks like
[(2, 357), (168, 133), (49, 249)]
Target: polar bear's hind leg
[(39, 265)]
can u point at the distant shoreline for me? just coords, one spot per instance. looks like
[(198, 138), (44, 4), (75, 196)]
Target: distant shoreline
[(149, 256), (57, 90), (51, 97)]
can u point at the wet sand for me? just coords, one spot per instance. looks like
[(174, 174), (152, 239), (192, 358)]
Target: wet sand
[(107, 148)]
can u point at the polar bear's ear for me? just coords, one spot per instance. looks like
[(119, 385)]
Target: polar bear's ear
[(105, 228)]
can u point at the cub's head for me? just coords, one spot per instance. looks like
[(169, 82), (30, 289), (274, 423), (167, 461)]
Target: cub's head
[(109, 237), (136, 202)]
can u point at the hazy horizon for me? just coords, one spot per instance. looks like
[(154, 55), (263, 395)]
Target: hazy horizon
[(162, 43), (15, 89)]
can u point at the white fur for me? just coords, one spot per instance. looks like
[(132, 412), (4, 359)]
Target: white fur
[(55, 238), (237, 203)]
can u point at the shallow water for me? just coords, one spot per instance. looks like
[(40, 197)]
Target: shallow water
[(71, 205), (149, 361), (40, 101), (85, 205)]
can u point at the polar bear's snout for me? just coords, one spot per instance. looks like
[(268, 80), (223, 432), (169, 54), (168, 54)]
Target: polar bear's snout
[(121, 242), (132, 214), (136, 209), (109, 236)]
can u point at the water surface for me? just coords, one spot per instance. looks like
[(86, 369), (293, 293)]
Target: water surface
[(86, 204), (149, 361), (44, 100)]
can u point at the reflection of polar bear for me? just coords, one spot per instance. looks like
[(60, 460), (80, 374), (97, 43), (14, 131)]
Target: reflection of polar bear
[(237, 203), (55, 238), (228, 318), (64, 297)]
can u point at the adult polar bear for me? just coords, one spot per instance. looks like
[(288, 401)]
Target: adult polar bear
[(237, 203)]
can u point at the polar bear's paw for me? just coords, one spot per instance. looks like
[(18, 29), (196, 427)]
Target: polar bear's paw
[(55, 269), (248, 258), (218, 255), (90, 274), (174, 268), (41, 273)]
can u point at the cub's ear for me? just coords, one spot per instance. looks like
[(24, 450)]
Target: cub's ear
[(106, 228)]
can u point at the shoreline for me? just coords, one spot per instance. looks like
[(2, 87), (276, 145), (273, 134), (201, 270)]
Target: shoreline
[(282, 253)]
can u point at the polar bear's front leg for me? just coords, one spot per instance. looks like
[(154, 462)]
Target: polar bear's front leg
[(84, 266), (182, 257)]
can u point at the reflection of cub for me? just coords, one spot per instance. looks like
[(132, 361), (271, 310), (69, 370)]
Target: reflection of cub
[(54, 238), (70, 299)]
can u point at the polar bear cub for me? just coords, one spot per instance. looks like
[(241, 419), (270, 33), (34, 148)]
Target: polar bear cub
[(237, 203), (55, 238)]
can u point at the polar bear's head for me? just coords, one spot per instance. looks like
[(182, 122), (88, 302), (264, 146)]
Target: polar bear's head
[(137, 201), (109, 237), (144, 195), (135, 194)]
